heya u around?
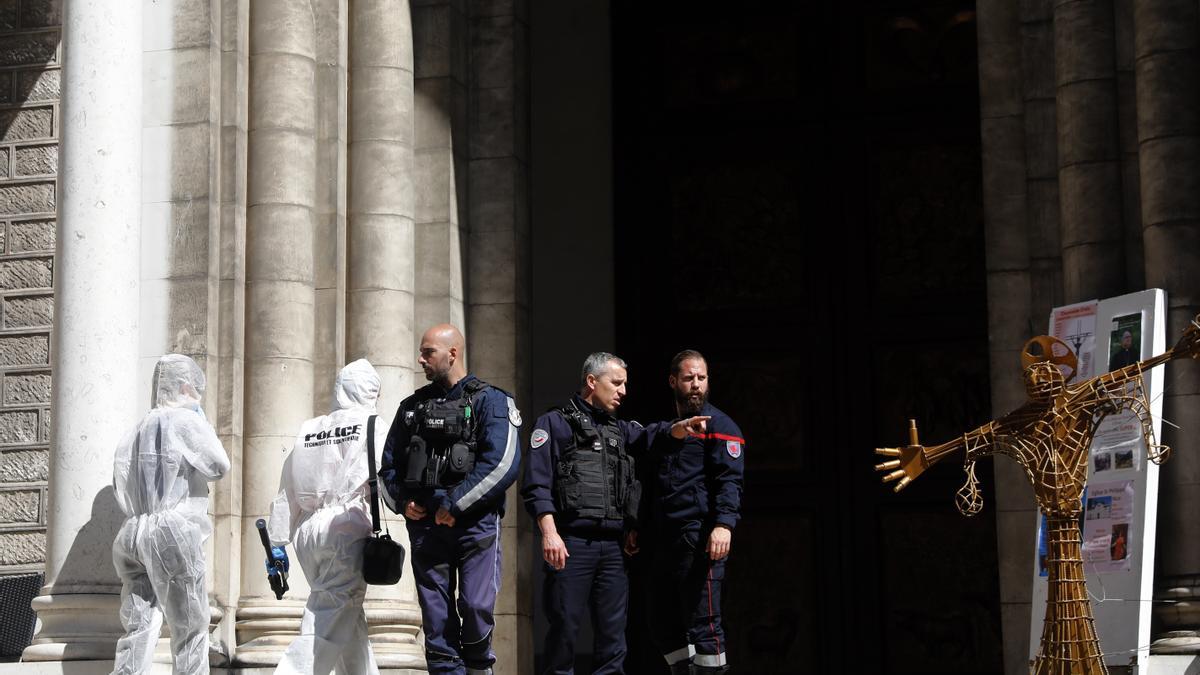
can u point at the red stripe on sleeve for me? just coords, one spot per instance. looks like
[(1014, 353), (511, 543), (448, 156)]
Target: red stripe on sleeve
[(723, 437)]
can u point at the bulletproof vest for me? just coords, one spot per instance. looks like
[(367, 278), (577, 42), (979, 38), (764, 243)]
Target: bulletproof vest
[(441, 451), (594, 477)]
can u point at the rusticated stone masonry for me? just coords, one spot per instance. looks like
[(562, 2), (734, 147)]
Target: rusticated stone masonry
[(29, 91)]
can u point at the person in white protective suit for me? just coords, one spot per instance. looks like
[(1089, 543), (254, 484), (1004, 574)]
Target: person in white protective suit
[(322, 508), (160, 479)]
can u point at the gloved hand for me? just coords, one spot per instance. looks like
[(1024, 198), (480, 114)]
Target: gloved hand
[(278, 553)]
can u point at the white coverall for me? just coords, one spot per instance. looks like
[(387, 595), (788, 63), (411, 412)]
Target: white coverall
[(322, 509), (160, 479)]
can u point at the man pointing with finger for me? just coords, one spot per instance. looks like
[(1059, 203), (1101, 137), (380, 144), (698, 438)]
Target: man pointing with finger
[(580, 487), (697, 495)]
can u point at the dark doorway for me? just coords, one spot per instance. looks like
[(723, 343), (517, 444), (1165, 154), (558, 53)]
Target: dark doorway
[(797, 195)]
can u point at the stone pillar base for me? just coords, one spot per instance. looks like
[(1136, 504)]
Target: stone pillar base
[(75, 627), (264, 633), (393, 628), (1177, 642), (1177, 609)]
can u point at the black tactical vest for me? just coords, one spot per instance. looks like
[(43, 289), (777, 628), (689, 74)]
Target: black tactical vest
[(594, 477), (441, 451)]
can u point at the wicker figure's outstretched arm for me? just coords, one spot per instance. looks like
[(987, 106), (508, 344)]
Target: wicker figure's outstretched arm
[(913, 459)]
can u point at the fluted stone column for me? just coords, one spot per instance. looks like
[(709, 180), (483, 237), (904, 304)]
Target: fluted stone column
[(329, 235), (1041, 159), (1168, 116), (1131, 214), (180, 288), (95, 325), (380, 239), (1089, 169), (498, 275), (379, 313), (227, 397), (440, 160), (279, 292), (1002, 131)]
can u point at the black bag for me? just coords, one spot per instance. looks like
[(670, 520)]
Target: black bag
[(383, 559)]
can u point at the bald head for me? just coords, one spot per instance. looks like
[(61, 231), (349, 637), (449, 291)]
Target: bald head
[(441, 356), (445, 335)]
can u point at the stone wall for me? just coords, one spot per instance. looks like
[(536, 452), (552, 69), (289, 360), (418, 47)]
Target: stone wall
[(29, 90)]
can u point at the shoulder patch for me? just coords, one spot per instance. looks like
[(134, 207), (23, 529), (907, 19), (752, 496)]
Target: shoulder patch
[(734, 448), (514, 416), (539, 438)]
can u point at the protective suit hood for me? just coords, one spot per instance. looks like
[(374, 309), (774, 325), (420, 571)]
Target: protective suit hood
[(357, 386), (178, 382)]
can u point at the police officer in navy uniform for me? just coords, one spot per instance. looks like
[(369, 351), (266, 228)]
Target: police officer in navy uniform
[(450, 454), (695, 506), (580, 487)]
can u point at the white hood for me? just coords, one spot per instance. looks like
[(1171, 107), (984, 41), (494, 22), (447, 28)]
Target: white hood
[(357, 386)]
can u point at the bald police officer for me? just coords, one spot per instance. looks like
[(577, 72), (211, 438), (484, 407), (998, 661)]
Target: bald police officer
[(450, 454)]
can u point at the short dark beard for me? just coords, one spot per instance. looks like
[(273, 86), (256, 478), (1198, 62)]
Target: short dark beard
[(684, 404)]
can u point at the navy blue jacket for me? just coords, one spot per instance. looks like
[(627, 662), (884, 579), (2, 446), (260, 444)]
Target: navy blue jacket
[(553, 432), (698, 483), (497, 458)]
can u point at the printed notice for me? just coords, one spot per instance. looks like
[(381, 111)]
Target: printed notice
[(1076, 326), (1107, 516)]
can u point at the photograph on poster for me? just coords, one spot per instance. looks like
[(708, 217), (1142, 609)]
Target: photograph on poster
[(1123, 459), (1098, 507), (1102, 461), (1125, 341), (1120, 546)]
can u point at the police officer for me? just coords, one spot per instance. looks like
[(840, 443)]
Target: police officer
[(581, 488), (695, 506), (450, 454)]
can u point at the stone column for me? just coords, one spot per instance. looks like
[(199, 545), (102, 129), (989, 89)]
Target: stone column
[(180, 288), (379, 309), (1131, 216), (380, 238), (440, 161), (227, 396), (94, 400), (498, 274), (329, 236), (1168, 116), (1089, 169), (1041, 160), (1002, 131), (281, 197)]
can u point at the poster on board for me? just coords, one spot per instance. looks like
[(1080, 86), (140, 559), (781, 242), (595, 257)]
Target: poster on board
[(1120, 503)]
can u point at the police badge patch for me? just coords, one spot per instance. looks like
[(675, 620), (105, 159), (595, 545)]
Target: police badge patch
[(514, 416), (539, 438), (734, 449)]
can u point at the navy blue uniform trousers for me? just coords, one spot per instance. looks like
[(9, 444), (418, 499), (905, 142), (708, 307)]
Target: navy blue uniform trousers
[(685, 606), (595, 577), (464, 558)]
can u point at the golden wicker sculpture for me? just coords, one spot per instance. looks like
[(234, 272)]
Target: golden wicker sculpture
[(1050, 437)]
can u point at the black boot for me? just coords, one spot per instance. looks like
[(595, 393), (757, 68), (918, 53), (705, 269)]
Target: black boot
[(681, 668), (708, 670)]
